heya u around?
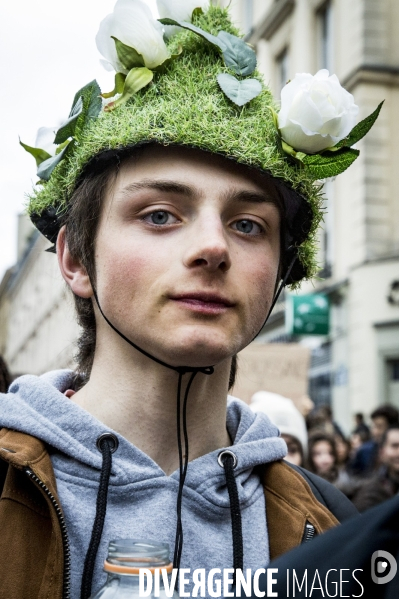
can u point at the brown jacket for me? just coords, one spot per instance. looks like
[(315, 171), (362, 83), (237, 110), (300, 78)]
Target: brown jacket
[(34, 553)]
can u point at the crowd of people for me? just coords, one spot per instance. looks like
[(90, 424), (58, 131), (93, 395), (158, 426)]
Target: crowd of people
[(363, 465)]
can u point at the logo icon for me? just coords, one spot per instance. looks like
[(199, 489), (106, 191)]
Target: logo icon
[(383, 567)]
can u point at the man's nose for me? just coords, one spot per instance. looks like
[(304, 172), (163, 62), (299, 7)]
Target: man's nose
[(207, 246)]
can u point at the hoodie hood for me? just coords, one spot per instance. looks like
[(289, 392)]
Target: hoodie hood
[(142, 498)]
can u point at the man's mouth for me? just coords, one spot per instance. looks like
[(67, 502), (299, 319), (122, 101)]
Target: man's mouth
[(203, 302)]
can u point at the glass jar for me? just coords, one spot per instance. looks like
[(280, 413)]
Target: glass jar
[(125, 559)]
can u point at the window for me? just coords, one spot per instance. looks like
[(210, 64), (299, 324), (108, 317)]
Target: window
[(282, 69), (325, 27), (393, 366), (320, 375)]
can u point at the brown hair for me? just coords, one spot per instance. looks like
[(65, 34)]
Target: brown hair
[(315, 438), (81, 226), (81, 222)]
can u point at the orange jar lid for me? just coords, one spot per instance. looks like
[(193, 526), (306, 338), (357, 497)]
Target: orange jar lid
[(116, 569)]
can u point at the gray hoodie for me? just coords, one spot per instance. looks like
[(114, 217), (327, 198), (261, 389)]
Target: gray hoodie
[(141, 497)]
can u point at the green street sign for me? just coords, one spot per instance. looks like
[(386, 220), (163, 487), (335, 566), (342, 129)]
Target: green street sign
[(308, 314)]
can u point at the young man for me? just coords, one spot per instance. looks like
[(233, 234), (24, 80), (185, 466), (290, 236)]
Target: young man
[(385, 483), (366, 459), (176, 214)]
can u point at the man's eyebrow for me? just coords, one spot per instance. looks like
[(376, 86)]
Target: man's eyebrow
[(249, 196), (167, 186), (159, 185)]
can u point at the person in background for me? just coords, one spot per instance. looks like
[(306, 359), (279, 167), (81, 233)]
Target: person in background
[(323, 459), (385, 484), (5, 377), (321, 418), (365, 461), (342, 446), (283, 413), (361, 427), (345, 481)]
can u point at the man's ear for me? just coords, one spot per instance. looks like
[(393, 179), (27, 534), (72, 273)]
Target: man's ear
[(72, 270)]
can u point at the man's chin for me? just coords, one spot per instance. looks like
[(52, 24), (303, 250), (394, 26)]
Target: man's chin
[(199, 353)]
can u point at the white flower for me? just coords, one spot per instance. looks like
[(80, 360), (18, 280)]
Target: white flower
[(133, 24), (180, 10), (45, 138), (316, 112)]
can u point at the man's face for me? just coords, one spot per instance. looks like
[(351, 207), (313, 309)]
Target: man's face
[(187, 255), (390, 451), (378, 427)]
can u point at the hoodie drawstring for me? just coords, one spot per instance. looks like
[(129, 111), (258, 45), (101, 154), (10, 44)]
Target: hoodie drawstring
[(107, 444), (228, 461), (183, 463)]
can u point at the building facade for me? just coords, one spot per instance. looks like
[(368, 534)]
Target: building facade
[(355, 367), (37, 326)]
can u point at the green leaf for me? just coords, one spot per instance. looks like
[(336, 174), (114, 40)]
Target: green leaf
[(62, 146), (67, 128), (160, 68), (46, 168), (38, 154), (91, 101), (118, 88), (128, 56), (86, 105), (136, 79), (361, 129), (329, 164), (90, 95), (237, 55), (239, 92), (207, 36)]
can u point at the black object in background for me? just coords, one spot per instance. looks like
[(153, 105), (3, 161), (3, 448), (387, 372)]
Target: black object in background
[(350, 546)]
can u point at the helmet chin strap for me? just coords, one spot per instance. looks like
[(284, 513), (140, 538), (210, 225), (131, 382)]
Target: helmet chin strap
[(181, 423), (179, 369), (185, 369)]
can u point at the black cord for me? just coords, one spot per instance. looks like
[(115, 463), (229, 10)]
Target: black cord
[(106, 445), (179, 369), (179, 530), (236, 523), (183, 465)]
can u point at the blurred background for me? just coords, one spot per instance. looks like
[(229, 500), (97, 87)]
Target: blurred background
[(337, 340)]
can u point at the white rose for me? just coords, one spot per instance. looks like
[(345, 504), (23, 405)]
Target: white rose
[(45, 138), (180, 10), (131, 23), (316, 112)]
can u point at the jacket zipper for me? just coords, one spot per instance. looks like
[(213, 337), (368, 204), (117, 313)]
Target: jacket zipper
[(64, 533), (309, 532)]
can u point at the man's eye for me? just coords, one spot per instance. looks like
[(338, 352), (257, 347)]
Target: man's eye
[(160, 217), (249, 227)]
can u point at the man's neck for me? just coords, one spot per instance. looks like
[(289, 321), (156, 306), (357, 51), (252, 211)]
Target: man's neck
[(137, 398)]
